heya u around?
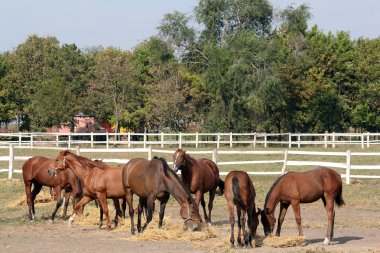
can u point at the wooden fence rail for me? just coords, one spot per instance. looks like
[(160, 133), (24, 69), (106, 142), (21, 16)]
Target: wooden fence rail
[(216, 154), (108, 140)]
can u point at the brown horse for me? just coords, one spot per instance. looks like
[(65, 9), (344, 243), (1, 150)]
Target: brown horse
[(151, 180), (99, 181), (294, 188), (239, 191), (35, 172), (200, 176)]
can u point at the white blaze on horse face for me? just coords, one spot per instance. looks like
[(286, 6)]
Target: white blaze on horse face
[(176, 160)]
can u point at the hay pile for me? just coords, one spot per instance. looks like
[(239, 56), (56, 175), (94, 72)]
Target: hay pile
[(280, 242), (43, 198)]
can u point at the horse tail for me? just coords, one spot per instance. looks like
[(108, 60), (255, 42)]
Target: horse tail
[(221, 187), (237, 193), (80, 190), (339, 198)]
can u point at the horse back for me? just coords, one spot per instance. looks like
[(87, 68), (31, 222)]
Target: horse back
[(239, 189), (209, 172), (36, 168), (309, 186), (140, 175)]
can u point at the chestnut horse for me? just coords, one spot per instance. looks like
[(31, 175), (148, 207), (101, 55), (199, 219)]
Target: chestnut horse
[(239, 191), (200, 176), (294, 188), (98, 179), (151, 180), (35, 172)]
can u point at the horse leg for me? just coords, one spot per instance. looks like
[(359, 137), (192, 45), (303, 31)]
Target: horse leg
[(149, 215), (124, 207), (242, 221), (210, 204), (199, 197), (140, 209), (281, 217), (330, 218), (28, 187), (297, 214), (66, 201), (250, 225), (129, 199), (58, 198), (103, 202), (238, 211), (118, 213), (163, 202), (79, 209), (232, 222), (36, 189)]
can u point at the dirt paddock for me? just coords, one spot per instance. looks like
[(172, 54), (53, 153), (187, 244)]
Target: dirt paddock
[(362, 235)]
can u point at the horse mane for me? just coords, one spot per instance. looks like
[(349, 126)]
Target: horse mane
[(85, 162), (168, 170), (272, 188)]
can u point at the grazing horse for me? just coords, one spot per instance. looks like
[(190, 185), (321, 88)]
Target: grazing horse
[(99, 181), (200, 176), (239, 191), (294, 188), (151, 180), (35, 172)]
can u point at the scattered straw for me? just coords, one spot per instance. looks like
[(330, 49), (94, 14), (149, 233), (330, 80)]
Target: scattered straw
[(42, 198)]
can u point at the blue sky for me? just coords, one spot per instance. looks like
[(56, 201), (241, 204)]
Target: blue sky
[(125, 23)]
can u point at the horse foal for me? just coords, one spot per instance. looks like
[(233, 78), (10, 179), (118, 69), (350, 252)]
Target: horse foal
[(240, 192)]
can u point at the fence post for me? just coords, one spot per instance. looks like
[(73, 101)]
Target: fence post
[(230, 139), (285, 162), (290, 140), (107, 141), (196, 139), (218, 141), (31, 140), (265, 140), (333, 139), (19, 139), (162, 139), (57, 140), (10, 166), (77, 150), (326, 136), (69, 142), (348, 167), (299, 140), (367, 139), (129, 139), (254, 140), (214, 156), (92, 140), (150, 153), (144, 139), (180, 140)]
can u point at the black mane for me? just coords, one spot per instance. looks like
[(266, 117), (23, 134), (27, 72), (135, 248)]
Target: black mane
[(168, 170), (272, 188)]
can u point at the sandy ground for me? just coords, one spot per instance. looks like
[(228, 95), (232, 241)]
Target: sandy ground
[(44, 236)]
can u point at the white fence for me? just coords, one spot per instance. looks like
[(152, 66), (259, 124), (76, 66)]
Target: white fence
[(290, 140), (217, 153)]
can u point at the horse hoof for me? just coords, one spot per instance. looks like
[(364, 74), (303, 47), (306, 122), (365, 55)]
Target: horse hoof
[(209, 224), (326, 241), (51, 220)]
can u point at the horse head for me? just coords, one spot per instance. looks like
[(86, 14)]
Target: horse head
[(58, 164), (268, 220), (179, 159), (190, 214)]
